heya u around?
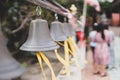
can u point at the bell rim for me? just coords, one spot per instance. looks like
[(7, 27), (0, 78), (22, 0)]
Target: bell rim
[(39, 48)]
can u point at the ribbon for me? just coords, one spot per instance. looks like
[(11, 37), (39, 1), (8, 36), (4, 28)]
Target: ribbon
[(40, 62), (64, 46), (75, 50), (41, 56), (67, 58), (60, 58), (71, 46)]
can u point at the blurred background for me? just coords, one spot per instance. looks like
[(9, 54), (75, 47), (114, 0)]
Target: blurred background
[(16, 15)]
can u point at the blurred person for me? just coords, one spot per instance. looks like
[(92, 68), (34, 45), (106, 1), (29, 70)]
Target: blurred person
[(102, 53), (111, 46), (92, 34)]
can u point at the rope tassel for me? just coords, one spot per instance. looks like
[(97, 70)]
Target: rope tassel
[(75, 51), (66, 52), (41, 57), (64, 46), (67, 57), (40, 62), (71, 46), (60, 58)]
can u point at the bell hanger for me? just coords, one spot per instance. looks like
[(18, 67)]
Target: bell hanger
[(56, 17), (38, 12)]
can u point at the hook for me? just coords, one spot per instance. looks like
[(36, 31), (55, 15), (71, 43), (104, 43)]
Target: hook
[(56, 16), (38, 11)]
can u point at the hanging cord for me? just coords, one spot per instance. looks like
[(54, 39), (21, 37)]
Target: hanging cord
[(64, 46), (73, 43), (40, 62), (66, 52), (41, 57), (75, 51), (60, 58), (71, 46), (73, 54), (67, 58), (66, 61)]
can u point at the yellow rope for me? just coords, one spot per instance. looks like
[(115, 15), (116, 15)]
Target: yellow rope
[(40, 62), (60, 43), (71, 47), (75, 50), (48, 63), (73, 43), (60, 58), (67, 58), (64, 46)]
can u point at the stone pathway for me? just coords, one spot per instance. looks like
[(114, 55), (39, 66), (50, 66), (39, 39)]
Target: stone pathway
[(87, 72)]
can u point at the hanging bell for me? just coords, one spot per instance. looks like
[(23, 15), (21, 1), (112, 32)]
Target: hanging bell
[(57, 32), (68, 29), (9, 67), (39, 38)]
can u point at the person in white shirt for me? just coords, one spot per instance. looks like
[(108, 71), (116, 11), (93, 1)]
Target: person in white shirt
[(91, 37)]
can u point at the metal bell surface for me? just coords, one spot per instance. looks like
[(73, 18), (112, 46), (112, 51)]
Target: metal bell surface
[(9, 67), (68, 29), (57, 32), (39, 38)]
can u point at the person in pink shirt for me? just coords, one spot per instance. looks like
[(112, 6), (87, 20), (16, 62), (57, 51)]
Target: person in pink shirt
[(102, 53)]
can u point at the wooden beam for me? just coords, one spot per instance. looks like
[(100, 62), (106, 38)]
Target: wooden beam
[(50, 6)]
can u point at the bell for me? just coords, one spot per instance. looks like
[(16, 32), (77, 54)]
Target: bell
[(57, 32), (9, 67), (68, 29), (39, 38)]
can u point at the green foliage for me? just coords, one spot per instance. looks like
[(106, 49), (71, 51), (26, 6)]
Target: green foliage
[(107, 8)]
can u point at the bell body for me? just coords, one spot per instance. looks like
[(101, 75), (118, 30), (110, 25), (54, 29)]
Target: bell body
[(68, 29), (39, 38), (9, 67), (57, 32)]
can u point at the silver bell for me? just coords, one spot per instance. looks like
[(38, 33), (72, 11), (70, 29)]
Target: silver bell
[(39, 38), (57, 32), (68, 29), (9, 67)]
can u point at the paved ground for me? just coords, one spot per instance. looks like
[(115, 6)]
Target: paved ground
[(115, 73), (87, 72)]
